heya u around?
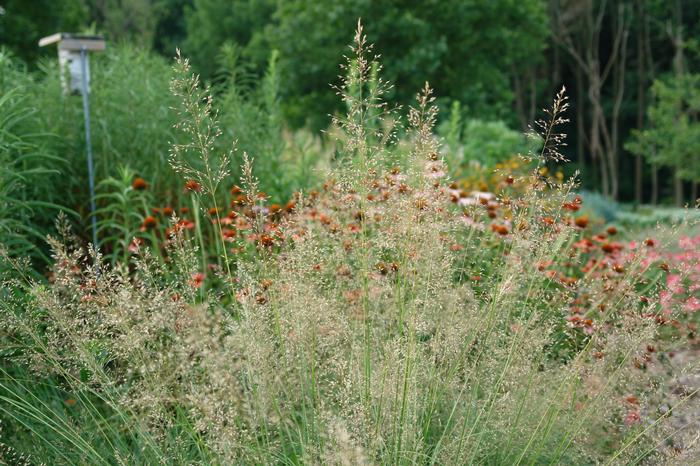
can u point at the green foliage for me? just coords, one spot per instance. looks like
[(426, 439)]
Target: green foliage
[(211, 24), (492, 142), (121, 216), (672, 138), (26, 169), (131, 122), (487, 143), (24, 22), (436, 38)]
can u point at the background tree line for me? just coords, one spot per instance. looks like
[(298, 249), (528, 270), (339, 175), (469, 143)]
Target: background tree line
[(629, 65)]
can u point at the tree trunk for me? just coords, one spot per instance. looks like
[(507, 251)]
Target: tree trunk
[(678, 189), (519, 99), (651, 76), (641, 100), (580, 119)]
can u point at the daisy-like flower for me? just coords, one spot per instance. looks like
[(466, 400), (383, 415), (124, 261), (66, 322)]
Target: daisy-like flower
[(192, 185), (139, 184), (582, 221), (197, 279), (150, 222)]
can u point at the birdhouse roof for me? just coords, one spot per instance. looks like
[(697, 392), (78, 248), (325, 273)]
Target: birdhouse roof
[(70, 41)]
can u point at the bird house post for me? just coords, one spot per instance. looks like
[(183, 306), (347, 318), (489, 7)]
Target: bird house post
[(75, 79)]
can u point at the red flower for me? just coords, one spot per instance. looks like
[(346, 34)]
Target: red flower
[(570, 206), (612, 230), (139, 184), (197, 279), (150, 222), (267, 240), (500, 229), (229, 234), (582, 221), (192, 185), (168, 211)]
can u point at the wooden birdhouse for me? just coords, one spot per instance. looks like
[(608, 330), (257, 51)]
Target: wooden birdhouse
[(73, 58)]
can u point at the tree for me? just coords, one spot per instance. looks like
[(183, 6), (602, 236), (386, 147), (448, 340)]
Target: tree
[(212, 23), (467, 49), (672, 138), (23, 23), (579, 29)]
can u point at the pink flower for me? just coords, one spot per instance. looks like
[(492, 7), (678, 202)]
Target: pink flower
[(665, 298), (135, 245), (632, 417), (692, 304), (674, 283), (686, 242)]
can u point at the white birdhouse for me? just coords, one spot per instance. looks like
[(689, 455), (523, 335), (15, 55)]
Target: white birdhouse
[(70, 49)]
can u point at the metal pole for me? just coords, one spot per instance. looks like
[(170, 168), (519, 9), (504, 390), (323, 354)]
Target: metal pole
[(88, 143)]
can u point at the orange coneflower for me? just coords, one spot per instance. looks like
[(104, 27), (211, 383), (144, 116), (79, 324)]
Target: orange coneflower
[(612, 230), (213, 211), (582, 221), (150, 222), (192, 185), (572, 206), (168, 211), (236, 190), (197, 279), (139, 184), (607, 247), (229, 234), (500, 229), (267, 240)]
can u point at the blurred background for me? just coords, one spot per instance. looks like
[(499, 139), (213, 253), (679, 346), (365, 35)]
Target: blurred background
[(630, 68)]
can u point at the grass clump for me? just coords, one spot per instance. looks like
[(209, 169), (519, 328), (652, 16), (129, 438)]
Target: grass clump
[(386, 318)]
